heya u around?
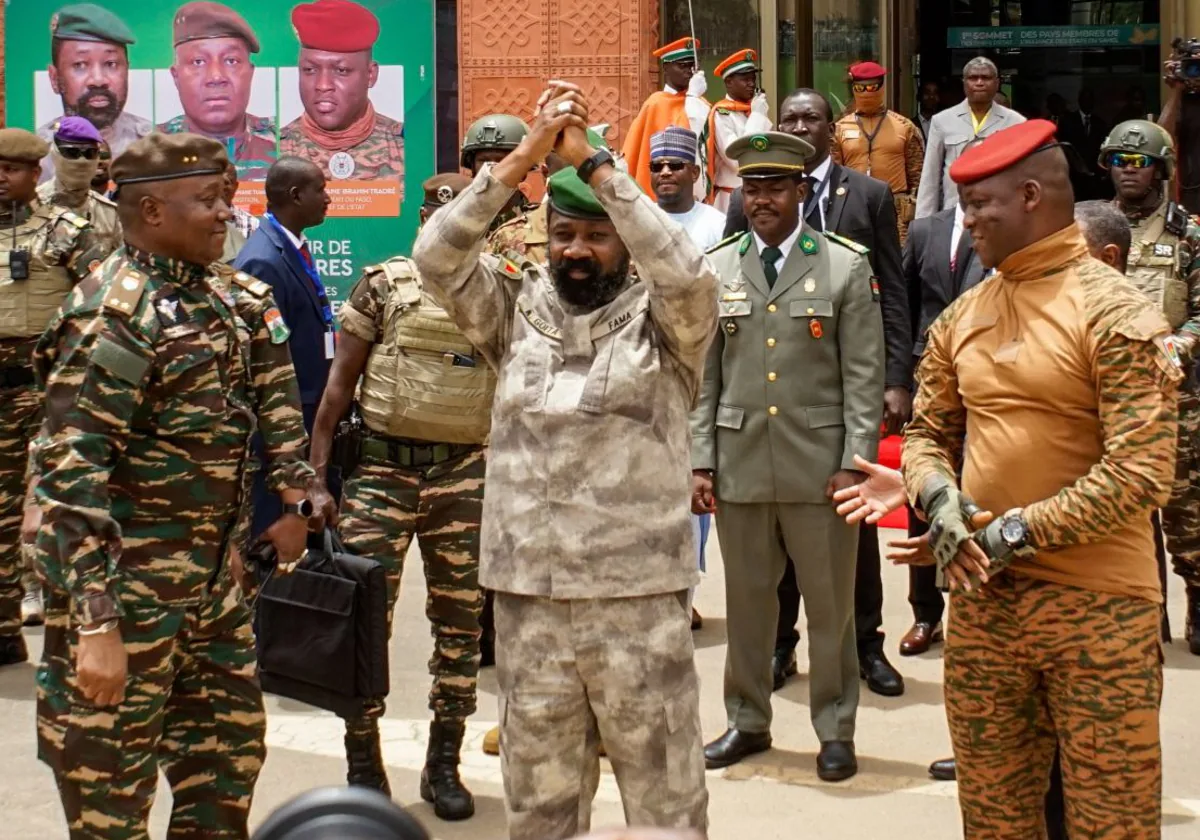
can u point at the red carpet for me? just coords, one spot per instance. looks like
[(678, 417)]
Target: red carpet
[(889, 456)]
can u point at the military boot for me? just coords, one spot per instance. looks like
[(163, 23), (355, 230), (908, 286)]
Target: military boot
[(1192, 628), (440, 783), (13, 650), (364, 758)]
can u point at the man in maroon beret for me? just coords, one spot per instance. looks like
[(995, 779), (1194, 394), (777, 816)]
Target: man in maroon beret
[(339, 130), (1067, 378), (213, 74)]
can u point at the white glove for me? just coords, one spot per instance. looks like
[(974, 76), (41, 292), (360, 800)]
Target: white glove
[(759, 104), (697, 85)]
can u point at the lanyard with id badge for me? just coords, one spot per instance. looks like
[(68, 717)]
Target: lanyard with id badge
[(322, 297)]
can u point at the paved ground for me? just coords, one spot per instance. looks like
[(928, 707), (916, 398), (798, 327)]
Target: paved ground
[(775, 796)]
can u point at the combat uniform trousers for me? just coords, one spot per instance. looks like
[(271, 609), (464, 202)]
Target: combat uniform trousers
[(756, 540), (1181, 516), (1031, 664), (20, 416), (192, 705), (573, 673), (383, 506)]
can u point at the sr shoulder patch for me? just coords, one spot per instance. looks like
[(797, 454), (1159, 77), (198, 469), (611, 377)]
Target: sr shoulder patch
[(120, 362)]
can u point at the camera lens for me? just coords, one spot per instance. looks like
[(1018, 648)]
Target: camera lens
[(1191, 68)]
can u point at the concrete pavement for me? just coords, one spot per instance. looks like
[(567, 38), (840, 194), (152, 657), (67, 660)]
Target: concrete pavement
[(775, 795)]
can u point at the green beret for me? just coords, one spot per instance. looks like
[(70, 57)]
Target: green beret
[(22, 146), (570, 196), (89, 22), (202, 19), (165, 157), (772, 154), (596, 141)]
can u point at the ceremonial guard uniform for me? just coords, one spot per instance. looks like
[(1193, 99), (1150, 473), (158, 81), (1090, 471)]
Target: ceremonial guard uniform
[(426, 401), (44, 250), (792, 392), (732, 117), (586, 535), (881, 143), (1164, 262), (75, 152), (150, 410)]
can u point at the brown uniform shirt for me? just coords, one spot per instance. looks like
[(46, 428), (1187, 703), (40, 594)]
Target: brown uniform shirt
[(1055, 376), (897, 151)]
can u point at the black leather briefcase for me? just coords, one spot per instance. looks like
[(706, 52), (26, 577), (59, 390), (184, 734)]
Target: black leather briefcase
[(322, 631)]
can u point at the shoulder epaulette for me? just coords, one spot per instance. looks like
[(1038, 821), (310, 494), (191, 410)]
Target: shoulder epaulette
[(126, 291), (75, 219), (103, 199), (847, 243), (725, 111), (252, 285), (1177, 219), (728, 240)]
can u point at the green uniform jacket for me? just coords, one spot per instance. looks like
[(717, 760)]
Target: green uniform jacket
[(793, 387)]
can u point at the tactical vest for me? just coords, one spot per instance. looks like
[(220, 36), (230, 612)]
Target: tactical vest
[(419, 381), (1154, 266), (26, 306)]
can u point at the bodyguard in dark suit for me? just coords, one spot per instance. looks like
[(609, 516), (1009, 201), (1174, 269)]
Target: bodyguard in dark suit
[(860, 209), (1086, 130), (938, 267), (278, 254)]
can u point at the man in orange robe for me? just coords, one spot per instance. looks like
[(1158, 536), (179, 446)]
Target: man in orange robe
[(681, 102)]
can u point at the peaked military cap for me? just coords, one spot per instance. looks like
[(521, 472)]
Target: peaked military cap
[(89, 22), (22, 146), (167, 157), (772, 154), (442, 189)]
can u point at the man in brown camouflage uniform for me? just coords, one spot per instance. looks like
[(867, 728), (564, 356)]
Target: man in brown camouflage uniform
[(1067, 379), (213, 74), (340, 131), (587, 540), (151, 399), (426, 401), (46, 249)]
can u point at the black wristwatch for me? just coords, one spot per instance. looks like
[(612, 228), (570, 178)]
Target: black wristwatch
[(588, 168), (304, 509)]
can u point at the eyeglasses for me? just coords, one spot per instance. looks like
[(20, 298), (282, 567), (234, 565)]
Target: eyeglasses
[(663, 165), (866, 87), (1123, 160), (80, 152)]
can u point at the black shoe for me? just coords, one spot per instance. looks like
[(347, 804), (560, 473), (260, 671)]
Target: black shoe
[(364, 758), (836, 762), (1192, 627), (440, 782), (733, 746), (13, 650), (943, 770), (783, 665), (881, 677), (487, 652)]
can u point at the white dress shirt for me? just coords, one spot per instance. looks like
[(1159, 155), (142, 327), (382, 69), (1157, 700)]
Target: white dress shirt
[(298, 241), (956, 236), (821, 173), (785, 247)]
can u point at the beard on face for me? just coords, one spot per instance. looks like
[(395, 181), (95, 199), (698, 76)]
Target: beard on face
[(103, 116), (598, 289)]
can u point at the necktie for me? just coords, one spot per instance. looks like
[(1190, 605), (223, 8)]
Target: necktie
[(307, 255), (812, 209), (770, 255)]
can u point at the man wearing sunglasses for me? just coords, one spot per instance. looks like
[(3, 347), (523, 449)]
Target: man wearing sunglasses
[(75, 154), (881, 143), (1164, 262)]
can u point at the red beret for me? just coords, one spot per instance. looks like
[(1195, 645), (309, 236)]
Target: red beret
[(335, 26), (867, 70), (1002, 150)]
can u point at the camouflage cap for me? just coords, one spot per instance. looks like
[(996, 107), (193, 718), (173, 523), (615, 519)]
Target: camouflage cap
[(442, 189), (202, 19), (89, 22), (22, 146), (166, 157), (772, 154)]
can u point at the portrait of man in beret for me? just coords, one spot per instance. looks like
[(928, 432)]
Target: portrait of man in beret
[(89, 70), (213, 75), (340, 130)]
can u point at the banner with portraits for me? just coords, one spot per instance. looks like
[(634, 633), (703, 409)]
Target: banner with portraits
[(347, 84)]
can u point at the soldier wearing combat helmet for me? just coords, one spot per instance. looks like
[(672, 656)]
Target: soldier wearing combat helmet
[(490, 139), (44, 250), (1164, 262)]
